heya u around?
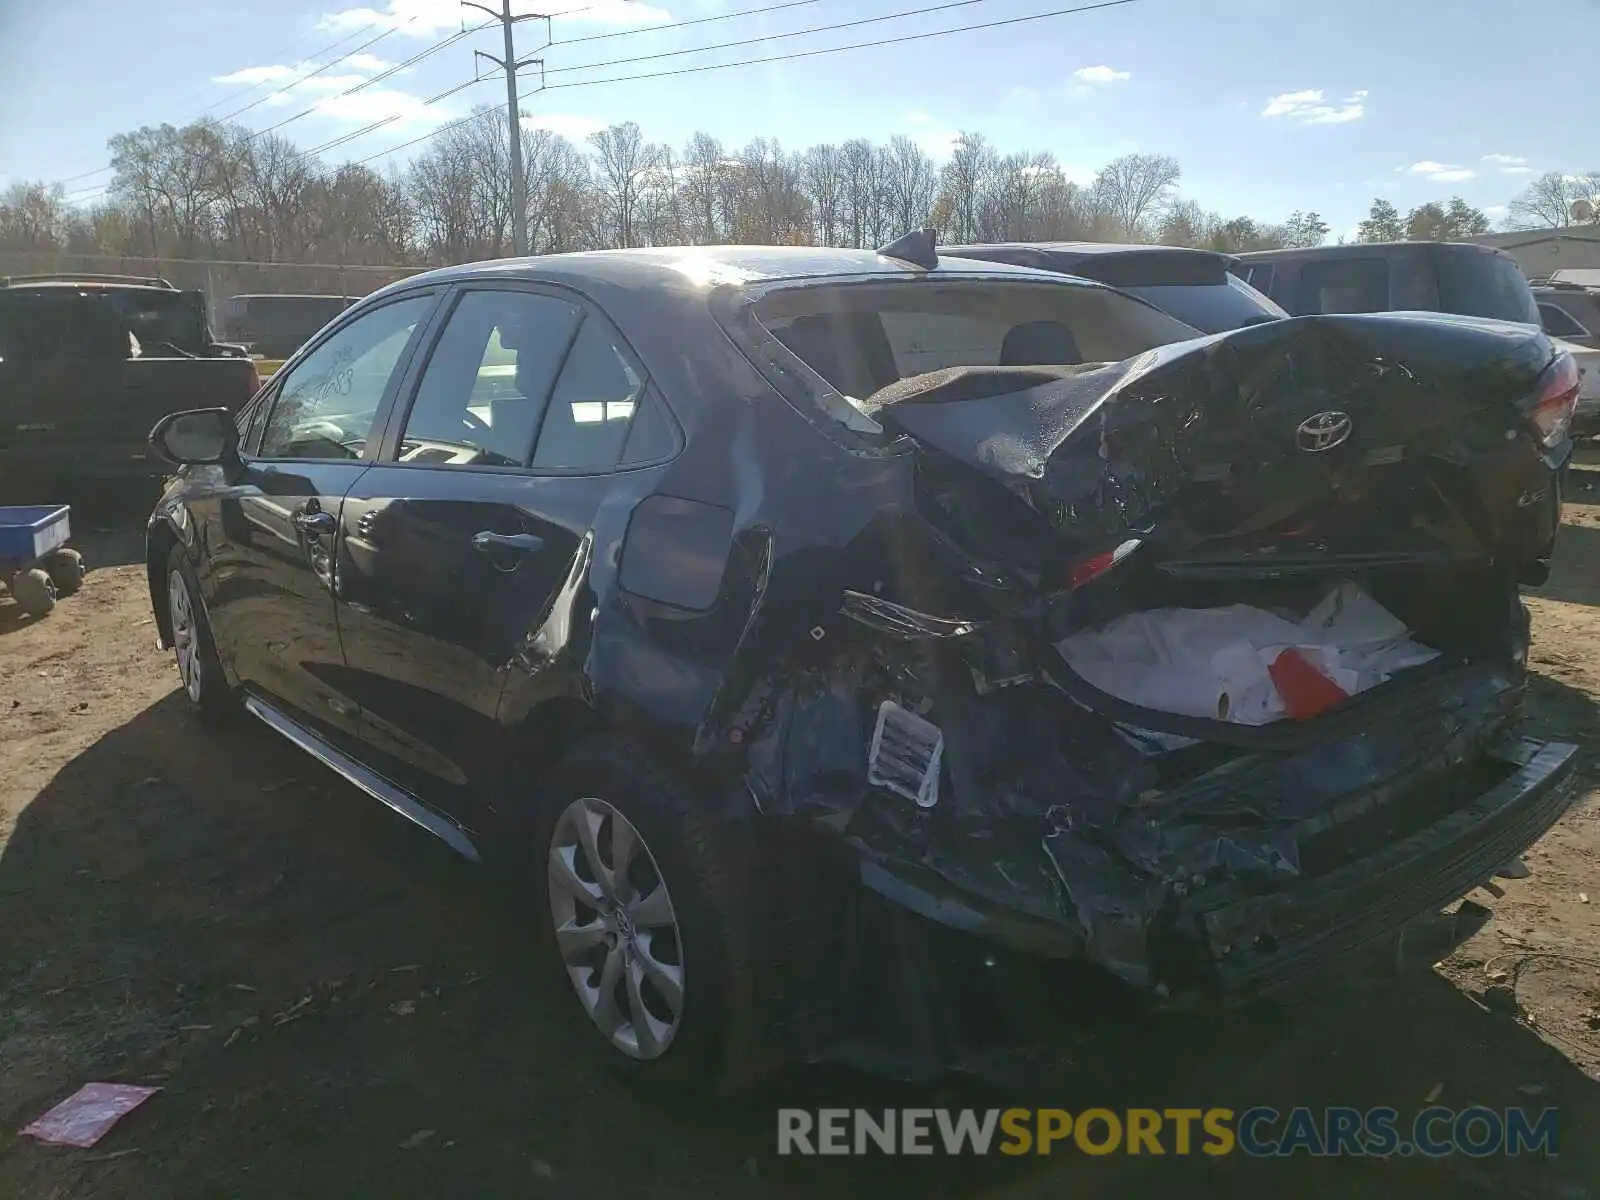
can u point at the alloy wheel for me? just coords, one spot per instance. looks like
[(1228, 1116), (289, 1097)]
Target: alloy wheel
[(185, 643), (615, 928)]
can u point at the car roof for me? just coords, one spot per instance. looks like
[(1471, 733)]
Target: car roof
[(69, 285), (1364, 250), (698, 268), (1088, 249), (289, 296)]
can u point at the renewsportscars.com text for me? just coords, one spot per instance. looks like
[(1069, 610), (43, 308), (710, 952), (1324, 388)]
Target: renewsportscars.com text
[(1258, 1132)]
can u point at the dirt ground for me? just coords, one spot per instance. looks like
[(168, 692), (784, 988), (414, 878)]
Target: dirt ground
[(333, 1006)]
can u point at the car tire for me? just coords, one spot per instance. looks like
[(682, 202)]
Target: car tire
[(205, 687), (65, 568), (34, 592), (693, 943)]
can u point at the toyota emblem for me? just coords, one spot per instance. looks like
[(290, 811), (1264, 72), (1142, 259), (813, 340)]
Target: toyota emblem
[(1323, 431)]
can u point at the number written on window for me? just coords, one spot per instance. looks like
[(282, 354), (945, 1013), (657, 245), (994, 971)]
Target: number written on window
[(327, 403)]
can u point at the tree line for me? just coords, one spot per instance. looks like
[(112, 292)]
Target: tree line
[(213, 191)]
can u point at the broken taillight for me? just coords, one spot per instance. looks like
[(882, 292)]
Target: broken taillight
[(1086, 570), (1551, 409)]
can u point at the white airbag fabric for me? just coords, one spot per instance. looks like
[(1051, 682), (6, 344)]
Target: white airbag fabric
[(1212, 662)]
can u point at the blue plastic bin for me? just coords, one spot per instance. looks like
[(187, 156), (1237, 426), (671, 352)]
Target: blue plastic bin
[(30, 532)]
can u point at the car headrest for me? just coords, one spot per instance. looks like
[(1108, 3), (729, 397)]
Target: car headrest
[(1038, 344)]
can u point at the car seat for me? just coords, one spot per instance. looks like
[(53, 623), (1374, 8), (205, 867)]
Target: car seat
[(1040, 344)]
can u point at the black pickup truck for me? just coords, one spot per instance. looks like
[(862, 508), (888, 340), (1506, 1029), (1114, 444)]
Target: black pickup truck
[(88, 363)]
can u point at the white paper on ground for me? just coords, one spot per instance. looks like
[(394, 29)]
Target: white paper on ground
[(1213, 662), (85, 1117)]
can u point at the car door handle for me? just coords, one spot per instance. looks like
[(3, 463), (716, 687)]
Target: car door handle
[(315, 522), (516, 543)]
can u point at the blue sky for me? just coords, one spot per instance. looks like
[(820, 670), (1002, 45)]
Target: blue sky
[(1269, 105)]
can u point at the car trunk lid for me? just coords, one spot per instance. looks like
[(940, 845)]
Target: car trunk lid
[(1311, 446)]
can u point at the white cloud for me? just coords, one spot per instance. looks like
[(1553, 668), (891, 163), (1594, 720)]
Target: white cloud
[(324, 93), (1100, 73), (256, 75), (935, 139), (1312, 107), (1509, 164), (567, 125), (1440, 172), (1495, 211), (425, 18), (378, 104)]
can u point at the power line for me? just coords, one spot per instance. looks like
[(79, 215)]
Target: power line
[(771, 37), (379, 124), (432, 133), (912, 37), (313, 74), (366, 83), (774, 58), (350, 91), (315, 54), (909, 37), (743, 12), (235, 95)]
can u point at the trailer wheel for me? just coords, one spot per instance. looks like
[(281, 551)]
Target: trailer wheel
[(33, 591), (65, 568)]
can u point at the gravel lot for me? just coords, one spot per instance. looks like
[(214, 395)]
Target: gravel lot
[(333, 1006)]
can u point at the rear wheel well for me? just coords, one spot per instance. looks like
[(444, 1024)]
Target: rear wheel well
[(158, 547)]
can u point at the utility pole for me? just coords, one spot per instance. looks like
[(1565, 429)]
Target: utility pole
[(511, 65)]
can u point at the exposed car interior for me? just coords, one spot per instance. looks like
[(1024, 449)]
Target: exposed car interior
[(862, 338)]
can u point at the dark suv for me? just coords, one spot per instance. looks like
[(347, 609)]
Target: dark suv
[(719, 597), (1195, 286), (1448, 277)]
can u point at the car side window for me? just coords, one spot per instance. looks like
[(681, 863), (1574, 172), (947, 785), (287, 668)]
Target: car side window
[(1259, 276), (1559, 323), (487, 382), (586, 424), (326, 403), (1344, 285)]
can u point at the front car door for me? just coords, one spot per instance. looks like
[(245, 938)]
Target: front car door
[(455, 543), (270, 545)]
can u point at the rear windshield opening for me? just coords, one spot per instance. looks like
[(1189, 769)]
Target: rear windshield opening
[(863, 337), (1229, 303), (1478, 284)]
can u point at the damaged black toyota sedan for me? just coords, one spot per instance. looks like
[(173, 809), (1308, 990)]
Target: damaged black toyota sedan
[(832, 646)]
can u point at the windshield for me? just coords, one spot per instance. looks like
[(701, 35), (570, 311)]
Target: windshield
[(1211, 307), (1477, 284), (98, 323)]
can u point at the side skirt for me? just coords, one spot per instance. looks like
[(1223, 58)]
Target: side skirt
[(369, 781)]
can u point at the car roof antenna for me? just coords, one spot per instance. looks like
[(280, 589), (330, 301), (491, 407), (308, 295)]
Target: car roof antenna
[(919, 248)]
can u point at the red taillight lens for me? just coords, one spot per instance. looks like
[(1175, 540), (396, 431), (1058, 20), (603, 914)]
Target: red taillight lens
[(1553, 403), (1086, 570)]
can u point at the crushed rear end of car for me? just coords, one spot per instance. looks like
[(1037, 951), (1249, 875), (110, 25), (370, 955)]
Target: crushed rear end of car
[(946, 735)]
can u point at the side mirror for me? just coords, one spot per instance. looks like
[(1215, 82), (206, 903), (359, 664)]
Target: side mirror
[(198, 436)]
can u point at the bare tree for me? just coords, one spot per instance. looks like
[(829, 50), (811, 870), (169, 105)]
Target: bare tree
[(1548, 200), (624, 162), (865, 207), (910, 184), (1131, 192), (702, 184), (170, 174), (559, 187), (33, 216), (1186, 223), (822, 177), (964, 184)]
